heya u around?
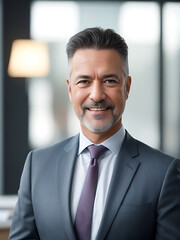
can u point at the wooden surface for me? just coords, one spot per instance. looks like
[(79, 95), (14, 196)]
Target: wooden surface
[(7, 204), (4, 233)]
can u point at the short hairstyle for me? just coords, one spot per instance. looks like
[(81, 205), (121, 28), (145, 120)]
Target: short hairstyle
[(98, 38)]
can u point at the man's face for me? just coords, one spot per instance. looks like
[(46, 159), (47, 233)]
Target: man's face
[(98, 89)]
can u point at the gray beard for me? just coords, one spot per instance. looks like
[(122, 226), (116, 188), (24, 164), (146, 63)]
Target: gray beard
[(101, 129)]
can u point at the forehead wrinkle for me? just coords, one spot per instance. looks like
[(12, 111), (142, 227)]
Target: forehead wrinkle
[(84, 60)]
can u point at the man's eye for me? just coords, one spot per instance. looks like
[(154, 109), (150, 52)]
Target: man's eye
[(83, 82), (110, 81)]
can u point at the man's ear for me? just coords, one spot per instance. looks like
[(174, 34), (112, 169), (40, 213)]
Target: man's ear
[(128, 86), (69, 89)]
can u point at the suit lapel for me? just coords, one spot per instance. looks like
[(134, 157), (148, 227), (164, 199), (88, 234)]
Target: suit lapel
[(125, 169), (64, 181)]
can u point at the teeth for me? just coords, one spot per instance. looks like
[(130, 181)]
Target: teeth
[(97, 109)]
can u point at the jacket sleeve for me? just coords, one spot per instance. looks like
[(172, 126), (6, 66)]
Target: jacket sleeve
[(168, 208), (23, 223)]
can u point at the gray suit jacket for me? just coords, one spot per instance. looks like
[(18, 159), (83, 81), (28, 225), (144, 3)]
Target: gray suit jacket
[(143, 201)]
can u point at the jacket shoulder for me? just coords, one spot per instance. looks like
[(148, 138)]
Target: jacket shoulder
[(145, 151), (56, 149)]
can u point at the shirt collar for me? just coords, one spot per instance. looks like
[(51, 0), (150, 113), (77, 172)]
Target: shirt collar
[(113, 143)]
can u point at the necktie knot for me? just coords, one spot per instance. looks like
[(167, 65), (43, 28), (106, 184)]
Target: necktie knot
[(96, 151)]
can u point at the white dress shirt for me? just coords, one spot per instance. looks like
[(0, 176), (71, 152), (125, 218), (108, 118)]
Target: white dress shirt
[(106, 164)]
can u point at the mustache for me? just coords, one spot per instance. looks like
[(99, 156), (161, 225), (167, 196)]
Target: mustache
[(101, 103)]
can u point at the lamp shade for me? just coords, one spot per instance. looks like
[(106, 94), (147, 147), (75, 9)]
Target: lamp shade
[(29, 58)]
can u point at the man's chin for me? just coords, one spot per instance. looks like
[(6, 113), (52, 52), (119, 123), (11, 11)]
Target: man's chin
[(97, 128)]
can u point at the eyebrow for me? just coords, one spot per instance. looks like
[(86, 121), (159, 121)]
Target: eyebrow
[(83, 76)]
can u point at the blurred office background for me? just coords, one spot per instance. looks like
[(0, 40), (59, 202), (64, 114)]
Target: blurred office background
[(36, 112)]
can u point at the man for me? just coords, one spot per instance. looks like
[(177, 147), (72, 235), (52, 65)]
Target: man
[(137, 194)]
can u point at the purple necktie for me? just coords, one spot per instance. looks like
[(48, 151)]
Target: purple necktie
[(84, 212)]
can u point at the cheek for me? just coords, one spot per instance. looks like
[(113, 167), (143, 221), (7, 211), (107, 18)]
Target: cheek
[(78, 97), (118, 98)]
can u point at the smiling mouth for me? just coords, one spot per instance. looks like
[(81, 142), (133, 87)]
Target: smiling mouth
[(98, 108)]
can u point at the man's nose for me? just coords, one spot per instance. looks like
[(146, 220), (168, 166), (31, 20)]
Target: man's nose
[(97, 91)]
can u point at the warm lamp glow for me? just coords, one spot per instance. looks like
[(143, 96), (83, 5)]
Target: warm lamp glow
[(28, 58)]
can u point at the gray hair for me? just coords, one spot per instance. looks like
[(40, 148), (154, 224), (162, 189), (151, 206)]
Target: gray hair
[(99, 38)]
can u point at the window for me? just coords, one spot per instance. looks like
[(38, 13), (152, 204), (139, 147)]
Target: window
[(172, 77), (139, 24)]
